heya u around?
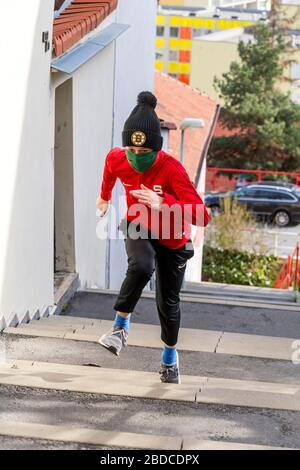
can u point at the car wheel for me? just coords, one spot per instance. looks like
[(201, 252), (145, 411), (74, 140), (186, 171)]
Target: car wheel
[(281, 218), (215, 210)]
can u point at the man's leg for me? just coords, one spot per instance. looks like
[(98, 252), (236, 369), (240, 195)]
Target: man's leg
[(141, 264), (170, 269)]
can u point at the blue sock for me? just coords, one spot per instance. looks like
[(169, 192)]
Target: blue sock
[(121, 322), (169, 356)]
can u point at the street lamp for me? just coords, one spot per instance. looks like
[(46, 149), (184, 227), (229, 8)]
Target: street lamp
[(185, 124)]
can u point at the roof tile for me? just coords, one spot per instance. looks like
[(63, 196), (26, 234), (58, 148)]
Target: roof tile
[(77, 20)]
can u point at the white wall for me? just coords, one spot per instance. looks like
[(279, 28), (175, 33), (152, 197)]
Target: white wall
[(26, 164), (194, 265), (93, 89), (135, 66), (93, 116), (103, 99)]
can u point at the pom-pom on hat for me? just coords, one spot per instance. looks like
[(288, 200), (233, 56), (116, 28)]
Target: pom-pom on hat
[(142, 128)]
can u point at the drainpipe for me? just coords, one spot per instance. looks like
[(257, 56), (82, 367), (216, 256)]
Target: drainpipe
[(108, 244)]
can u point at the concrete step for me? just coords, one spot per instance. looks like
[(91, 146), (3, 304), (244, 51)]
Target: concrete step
[(219, 342), (203, 412), (206, 364), (117, 439), (216, 296), (237, 291), (187, 421), (146, 385)]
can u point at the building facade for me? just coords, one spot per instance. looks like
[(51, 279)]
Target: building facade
[(176, 31), (62, 111), (218, 50), (216, 3)]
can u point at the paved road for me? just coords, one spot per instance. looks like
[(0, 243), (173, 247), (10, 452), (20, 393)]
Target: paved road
[(281, 241)]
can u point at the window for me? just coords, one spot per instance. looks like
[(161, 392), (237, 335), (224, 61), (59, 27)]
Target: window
[(198, 32), (273, 195), (174, 32), (173, 75), (265, 194), (173, 55), (285, 196), (245, 192), (159, 55), (160, 30)]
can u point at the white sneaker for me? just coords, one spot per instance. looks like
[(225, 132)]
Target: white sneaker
[(114, 340)]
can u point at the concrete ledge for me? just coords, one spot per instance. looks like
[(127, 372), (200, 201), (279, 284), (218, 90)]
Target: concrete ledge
[(89, 436), (198, 298), (66, 291), (196, 444), (250, 394), (84, 329), (256, 346), (93, 380), (146, 385), (24, 317), (117, 439)]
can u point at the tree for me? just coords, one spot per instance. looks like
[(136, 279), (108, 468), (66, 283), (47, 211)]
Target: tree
[(264, 121)]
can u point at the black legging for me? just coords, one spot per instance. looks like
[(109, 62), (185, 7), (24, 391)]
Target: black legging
[(145, 256)]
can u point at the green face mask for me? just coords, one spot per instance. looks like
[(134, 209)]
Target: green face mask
[(141, 161)]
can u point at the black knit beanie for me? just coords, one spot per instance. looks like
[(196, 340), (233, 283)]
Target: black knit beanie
[(142, 128)]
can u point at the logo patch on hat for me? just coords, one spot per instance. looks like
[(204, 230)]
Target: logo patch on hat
[(138, 138)]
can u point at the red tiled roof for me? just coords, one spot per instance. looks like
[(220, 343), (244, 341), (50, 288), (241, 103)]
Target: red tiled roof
[(177, 101), (77, 20)]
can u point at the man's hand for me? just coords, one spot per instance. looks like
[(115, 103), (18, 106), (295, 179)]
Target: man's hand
[(147, 196), (102, 205)]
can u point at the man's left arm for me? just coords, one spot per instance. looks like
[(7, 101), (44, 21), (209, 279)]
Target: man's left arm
[(185, 195)]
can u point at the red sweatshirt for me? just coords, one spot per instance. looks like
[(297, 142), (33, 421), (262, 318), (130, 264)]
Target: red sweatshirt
[(181, 205)]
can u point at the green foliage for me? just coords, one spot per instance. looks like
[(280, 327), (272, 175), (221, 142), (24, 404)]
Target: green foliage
[(234, 229), (236, 267), (234, 251), (267, 136)]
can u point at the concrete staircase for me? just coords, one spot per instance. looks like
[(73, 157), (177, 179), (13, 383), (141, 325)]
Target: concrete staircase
[(239, 390), (246, 294)]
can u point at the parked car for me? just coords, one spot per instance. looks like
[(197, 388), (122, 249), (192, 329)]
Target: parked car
[(246, 180), (278, 203), (243, 180)]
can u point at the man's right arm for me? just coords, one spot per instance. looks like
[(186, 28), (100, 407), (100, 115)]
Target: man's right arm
[(108, 182), (108, 179)]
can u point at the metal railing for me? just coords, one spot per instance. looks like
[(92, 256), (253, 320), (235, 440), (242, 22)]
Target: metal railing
[(289, 276), (216, 180)]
